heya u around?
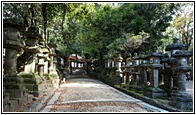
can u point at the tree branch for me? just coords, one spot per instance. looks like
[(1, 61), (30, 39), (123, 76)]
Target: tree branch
[(24, 17)]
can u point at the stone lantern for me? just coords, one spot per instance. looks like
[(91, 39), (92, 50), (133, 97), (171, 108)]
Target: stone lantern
[(32, 36), (41, 64), (180, 98), (32, 48), (134, 70), (52, 64), (12, 44), (174, 47), (43, 60), (32, 60), (154, 65), (167, 72), (106, 60), (143, 69), (46, 52), (52, 55), (118, 62), (55, 63), (127, 70)]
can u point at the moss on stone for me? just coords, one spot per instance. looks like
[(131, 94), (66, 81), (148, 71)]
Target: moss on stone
[(26, 75)]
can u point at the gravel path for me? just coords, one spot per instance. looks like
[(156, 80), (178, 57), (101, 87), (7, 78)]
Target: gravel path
[(89, 95)]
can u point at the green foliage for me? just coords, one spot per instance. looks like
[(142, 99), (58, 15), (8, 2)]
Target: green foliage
[(113, 25), (135, 41), (47, 76), (27, 75), (97, 29), (108, 75), (53, 76), (30, 78), (183, 23)]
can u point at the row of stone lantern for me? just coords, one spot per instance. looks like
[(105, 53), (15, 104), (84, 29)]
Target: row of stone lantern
[(145, 70), (43, 58), (141, 66), (174, 70), (37, 58)]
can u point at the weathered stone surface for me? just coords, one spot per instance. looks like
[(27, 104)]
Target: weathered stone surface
[(31, 42), (12, 80), (6, 107), (6, 97), (38, 87), (182, 100), (155, 92), (29, 80), (13, 45), (12, 86), (13, 104), (10, 67), (29, 86), (18, 93)]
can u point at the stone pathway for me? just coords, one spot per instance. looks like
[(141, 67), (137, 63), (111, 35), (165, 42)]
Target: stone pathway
[(90, 95)]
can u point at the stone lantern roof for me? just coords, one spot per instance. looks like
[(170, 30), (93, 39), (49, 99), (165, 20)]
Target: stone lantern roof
[(119, 58), (183, 52), (107, 57), (12, 23), (142, 56), (175, 45), (155, 54), (32, 33), (13, 27)]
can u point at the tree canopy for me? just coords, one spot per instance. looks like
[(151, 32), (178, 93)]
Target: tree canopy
[(98, 29)]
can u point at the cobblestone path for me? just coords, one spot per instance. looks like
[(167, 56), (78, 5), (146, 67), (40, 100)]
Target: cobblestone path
[(89, 95)]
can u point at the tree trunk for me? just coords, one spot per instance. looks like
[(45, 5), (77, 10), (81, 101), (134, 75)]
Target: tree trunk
[(44, 15)]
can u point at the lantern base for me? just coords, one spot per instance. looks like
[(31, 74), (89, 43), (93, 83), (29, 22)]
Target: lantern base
[(181, 100), (155, 92)]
